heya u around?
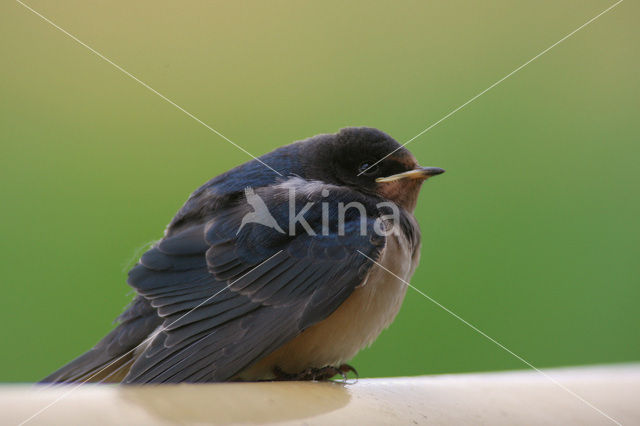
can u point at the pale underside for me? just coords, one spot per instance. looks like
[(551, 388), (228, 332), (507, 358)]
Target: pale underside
[(354, 325)]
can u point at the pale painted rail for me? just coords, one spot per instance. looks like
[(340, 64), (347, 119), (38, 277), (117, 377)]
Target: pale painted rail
[(519, 397)]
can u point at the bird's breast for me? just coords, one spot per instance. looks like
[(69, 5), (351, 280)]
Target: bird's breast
[(355, 324)]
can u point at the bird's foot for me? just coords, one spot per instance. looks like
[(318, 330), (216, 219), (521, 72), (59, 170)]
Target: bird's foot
[(316, 374)]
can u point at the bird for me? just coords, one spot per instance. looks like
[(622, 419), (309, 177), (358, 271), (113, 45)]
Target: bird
[(225, 297)]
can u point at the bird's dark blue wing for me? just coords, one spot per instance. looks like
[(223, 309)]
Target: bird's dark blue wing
[(229, 298)]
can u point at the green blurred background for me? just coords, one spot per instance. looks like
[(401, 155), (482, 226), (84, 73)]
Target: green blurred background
[(532, 235)]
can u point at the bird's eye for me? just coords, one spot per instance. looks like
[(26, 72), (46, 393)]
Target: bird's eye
[(368, 168)]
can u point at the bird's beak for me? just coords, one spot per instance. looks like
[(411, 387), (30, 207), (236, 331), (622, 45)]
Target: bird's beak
[(419, 173)]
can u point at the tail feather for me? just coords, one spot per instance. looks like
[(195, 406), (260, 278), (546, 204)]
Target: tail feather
[(92, 366), (110, 359)]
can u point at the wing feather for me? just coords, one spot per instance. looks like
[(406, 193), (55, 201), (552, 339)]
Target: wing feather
[(227, 300)]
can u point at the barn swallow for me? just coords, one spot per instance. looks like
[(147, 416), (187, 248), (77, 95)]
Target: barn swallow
[(237, 290)]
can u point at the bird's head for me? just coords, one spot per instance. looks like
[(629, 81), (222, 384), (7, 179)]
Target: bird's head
[(359, 157)]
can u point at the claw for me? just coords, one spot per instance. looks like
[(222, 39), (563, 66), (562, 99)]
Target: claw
[(344, 371), (346, 368), (316, 374)]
